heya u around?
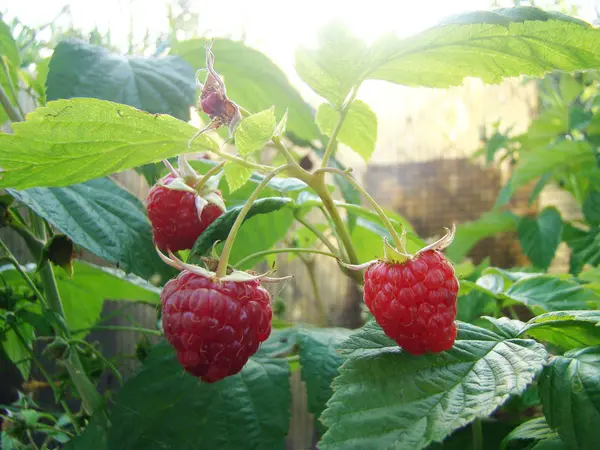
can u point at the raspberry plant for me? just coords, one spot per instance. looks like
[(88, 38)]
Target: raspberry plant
[(412, 377)]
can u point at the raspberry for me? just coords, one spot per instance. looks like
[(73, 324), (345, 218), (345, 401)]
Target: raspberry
[(211, 103), (415, 301), (174, 218), (214, 326)]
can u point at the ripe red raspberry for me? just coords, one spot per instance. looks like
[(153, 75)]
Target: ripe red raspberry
[(415, 301), (214, 326), (174, 218)]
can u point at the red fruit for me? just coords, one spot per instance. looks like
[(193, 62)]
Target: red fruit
[(174, 217), (415, 301), (211, 103), (214, 326)]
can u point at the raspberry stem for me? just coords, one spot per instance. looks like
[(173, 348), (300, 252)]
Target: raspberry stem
[(212, 171), (398, 242), (273, 251), (224, 259), (338, 126)]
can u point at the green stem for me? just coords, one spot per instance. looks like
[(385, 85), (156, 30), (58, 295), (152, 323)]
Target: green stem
[(384, 218), (224, 259), (243, 162), (12, 87), (320, 188), (273, 251), (13, 114), (37, 362), (91, 399), (310, 268), (338, 126), (69, 413), (288, 156), (11, 259), (212, 171), (118, 328), (110, 365), (34, 245), (477, 435), (317, 233)]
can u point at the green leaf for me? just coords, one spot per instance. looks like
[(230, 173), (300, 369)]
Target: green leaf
[(333, 68), (487, 45), (255, 131), (566, 329), (83, 295), (320, 362), (564, 155), (470, 233), (253, 81), (93, 438), (16, 351), (537, 429), (236, 175), (103, 218), (548, 293), (591, 208), (163, 407), (9, 62), (539, 237), (219, 229), (570, 393), (164, 85), (387, 398), (70, 141), (585, 247), (359, 130)]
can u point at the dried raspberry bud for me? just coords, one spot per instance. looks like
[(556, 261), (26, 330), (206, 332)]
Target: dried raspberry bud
[(214, 101)]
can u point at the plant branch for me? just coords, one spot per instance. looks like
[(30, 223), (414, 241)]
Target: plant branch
[(11, 259), (12, 112), (338, 126), (243, 162), (224, 259), (310, 268), (317, 233), (477, 434), (273, 251), (91, 399), (12, 87), (384, 218)]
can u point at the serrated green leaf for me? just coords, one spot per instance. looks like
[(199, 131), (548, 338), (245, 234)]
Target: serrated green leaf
[(333, 68), (158, 85), (93, 438), (70, 141), (219, 229), (359, 130), (469, 233), (385, 398), (236, 175), (103, 218), (505, 327), (539, 237), (534, 429), (548, 293), (591, 208), (566, 329), (564, 155), (253, 81), (163, 407), (570, 393), (255, 131), (487, 45), (96, 284), (9, 65), (320, 362), (585, 247)]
